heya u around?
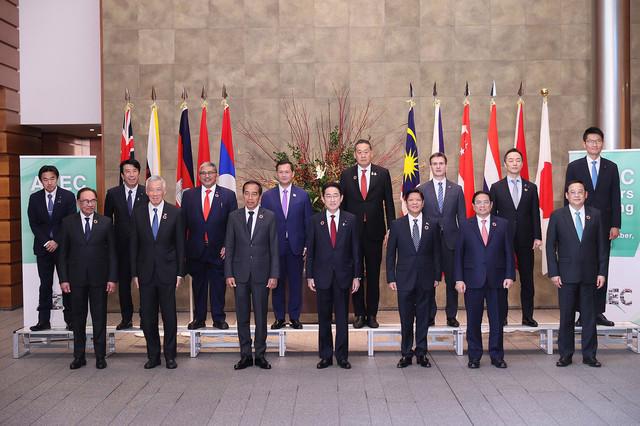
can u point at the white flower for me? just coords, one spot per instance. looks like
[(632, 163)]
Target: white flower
[(320, 171)]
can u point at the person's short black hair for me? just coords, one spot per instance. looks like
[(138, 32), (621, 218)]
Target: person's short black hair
[(475, 195), (413, 191), (253, 182), (571, 182), (132, 162), (592, 131), (331, 185), (436, 155), (362, 141), (48, 168), (510, 151), (85, 189), (283, 162)]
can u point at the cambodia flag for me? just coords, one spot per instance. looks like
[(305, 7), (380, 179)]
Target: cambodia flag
[(227, 167), (184, 165)]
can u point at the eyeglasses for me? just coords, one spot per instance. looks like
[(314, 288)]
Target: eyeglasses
[(593, 142), (482, 202), (87, 202), (208, 173)]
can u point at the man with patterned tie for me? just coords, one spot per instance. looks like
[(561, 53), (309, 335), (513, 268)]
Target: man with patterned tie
[(602, 183), (577, 258), (205, 210), (46, 210), (118, 205)]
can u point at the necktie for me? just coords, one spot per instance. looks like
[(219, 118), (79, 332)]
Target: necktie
[(50, 205), (206, 209), (579, 227), (415, 234), (485, 233), (284, 202), (440, 196), (363, 185), (87, 229), (154, 224), (515, 193), (130, 202), (333, 231), (594, 174), (250, 223)]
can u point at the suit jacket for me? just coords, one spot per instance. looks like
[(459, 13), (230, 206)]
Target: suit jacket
[(477, 264), (87, 263), (524, 222), (407, 266), (453, 210), (573, 260), (223, 202), (47, 228), (251, 256), (163, 256), (299, 212), (606, 196), (323, 260), (379, 192), (115, 207)]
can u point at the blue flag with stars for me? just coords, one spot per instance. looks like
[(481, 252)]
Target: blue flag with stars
[(410, 172)]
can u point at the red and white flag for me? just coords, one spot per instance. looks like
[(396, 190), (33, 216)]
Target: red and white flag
[(492, 170), (544, 178), (519, 141), (203, 142), (465, 163)]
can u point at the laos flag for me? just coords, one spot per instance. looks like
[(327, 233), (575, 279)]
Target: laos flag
[(227, 168)]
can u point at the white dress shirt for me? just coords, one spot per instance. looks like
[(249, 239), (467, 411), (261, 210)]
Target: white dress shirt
[(336, 218), (53, 197), (211, 195), (159, 207), (133, 190), (83, 222), (582, 215), (487, 224), (444, 187), (411, 219), (367, 173), (590, 160), (255, 218)]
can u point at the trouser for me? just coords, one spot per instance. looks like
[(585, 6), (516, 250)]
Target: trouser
[(155, 297), (208, 285), (96, 298), (474, 300), (568, 297), (46, 264), (124, 286), (333, 299), (446, 261), (291, 266), (525, 258), (415, 304), (246, 294), (370, 287)]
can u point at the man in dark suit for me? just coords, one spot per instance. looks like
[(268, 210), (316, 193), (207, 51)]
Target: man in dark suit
[(368, 195), (88, 270), (333, 271), (577, 260), (444, 207), (516, 199), (157, 267), (251, 268), (292, 208), (205, 210), (118, 206), (483, 270), (602, 182), (413, 270), (46, 210)]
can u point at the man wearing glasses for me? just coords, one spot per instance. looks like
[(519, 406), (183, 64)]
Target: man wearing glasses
[(602, 182), (205, 210)]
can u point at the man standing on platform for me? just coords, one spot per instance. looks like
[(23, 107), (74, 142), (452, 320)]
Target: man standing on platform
[(118, 206), (88, 271), (483, 270), (602, 183), (444, 207), (369, 196), (251, 268), (516, 199), (577, 259), (292, 208), (333, 271), (413, 270), (205, 210), (157, 267), (46, 210)]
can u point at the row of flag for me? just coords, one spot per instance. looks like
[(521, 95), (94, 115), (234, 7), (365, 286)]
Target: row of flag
[(492, 168), (185, 177)]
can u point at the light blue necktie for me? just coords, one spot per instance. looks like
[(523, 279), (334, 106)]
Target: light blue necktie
[(515, 192), (440, 196), (154, 224), (594, 174), (50, 205), (579, 227)]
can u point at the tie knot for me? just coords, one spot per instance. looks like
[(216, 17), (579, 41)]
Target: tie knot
[(364, 172), (415, 221), (251, 213), (594, 162), (514, 181), (578, 214), (285, 191), (130, 191), (483, 221), (49, 196), (87, 219), (439, 183), (333, 216), (208, 191), (155, 210)]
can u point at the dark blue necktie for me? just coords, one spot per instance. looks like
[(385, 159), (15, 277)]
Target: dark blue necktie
[(130, 202), (87, 229), (50, 205), (440, 196), (154, 224)]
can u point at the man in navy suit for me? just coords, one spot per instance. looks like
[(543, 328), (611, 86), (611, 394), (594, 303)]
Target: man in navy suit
[(413, 270), (577, 258), (118, 205), (602, 183), (205, 210), (292, 208), (333, 272), (483, 270), (46, 210)]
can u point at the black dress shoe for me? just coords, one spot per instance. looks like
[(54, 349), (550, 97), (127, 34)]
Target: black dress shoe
[(579, 322), (358, 322), (324, 363), (423, 361), (452, 322), (69, 327), (152, 363), (564, 361), (245, 361), (474, 363), (171, 364), (194, 325), (222, 325), (77, 363), (405, 361), (101, 363), (591, 362), (499, 363), (602, 320), (432, 322), (278, 324), (40, 326), (530, 322), (263, 363), (343, 363), (124, 325), (296, 324), (372, 323)]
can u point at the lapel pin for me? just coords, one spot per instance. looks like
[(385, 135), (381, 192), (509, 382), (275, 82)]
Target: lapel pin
[(355, 178), (426, 227), (526, 188), (588, 217), (493, 224), (164, 216), (293, 195), (260, 216), (344, 223), (216, 195), (95, 221), (322, 222), (374, 174)]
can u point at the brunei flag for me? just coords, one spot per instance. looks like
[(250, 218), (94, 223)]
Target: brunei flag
[(184, 165), (153, 144), (410, 171)]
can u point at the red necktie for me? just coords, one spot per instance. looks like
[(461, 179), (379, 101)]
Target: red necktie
[(333, 231), (485, 233), (363, 185), (206, 209)]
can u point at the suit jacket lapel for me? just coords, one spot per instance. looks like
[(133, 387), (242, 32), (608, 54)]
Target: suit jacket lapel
[(476, 230), (147, 221), (569, 222), (356, 182), (586, 179)]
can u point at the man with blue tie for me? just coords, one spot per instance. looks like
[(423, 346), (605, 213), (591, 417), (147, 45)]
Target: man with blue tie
[(484, 268), (46, 210), (577, 259), (205, 210), (292, 208)]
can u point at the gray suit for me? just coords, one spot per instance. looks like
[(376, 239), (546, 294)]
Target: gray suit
[(251, 260)]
